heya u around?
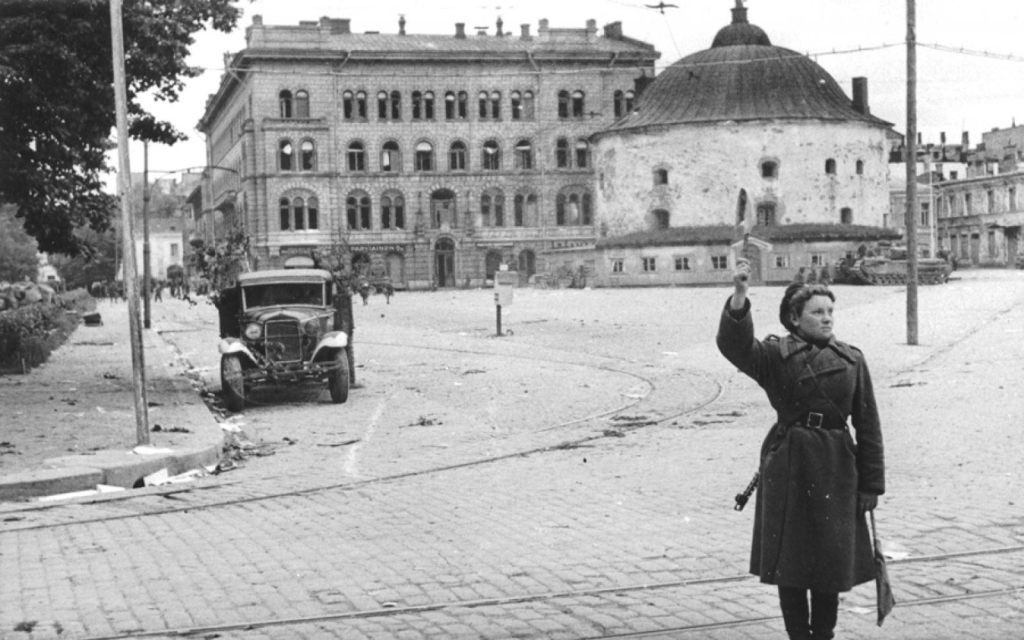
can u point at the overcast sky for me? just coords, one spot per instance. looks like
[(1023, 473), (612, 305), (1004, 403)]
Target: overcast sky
[(956, 91)]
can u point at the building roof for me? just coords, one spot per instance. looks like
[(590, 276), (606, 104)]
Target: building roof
[(727, 234), (742, 77)]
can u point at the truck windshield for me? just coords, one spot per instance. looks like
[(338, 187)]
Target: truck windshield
[(284, 293)]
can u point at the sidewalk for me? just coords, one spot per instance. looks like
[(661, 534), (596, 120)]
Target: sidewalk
[(70, 424)]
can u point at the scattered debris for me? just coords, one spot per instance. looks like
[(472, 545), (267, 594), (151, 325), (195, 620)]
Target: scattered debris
[(157, 427), (906, 383), (339, 444), (26, 626), (471, 371), (423, 421), (7, 449), (290, 441), (613, 433), (111, 376)]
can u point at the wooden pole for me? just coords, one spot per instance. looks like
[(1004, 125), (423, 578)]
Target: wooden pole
[(146, 272), (911, 212), (124, 187)]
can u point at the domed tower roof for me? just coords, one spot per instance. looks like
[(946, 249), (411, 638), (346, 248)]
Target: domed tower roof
[(742, 77), (740, 31)]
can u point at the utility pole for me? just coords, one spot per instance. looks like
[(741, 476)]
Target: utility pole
[(146, 274), (124, 187), (911, 212)]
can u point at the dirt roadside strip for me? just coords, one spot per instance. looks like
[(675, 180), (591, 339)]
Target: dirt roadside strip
[(76, 416)]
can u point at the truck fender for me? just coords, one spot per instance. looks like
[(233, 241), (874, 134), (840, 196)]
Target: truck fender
[(234, 345), (331, 340)]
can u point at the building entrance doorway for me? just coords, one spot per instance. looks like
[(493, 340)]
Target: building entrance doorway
[(444, 262)]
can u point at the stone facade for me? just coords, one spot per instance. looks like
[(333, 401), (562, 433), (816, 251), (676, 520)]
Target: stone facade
[(701, 186), (434, 159), (980, 219)]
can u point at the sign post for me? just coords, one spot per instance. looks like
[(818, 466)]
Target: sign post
[(504, 285)]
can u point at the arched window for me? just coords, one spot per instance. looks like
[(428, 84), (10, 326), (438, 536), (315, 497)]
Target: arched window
[(523, 206), (424, 156), (482, 103), (769, 169), (428, 105), (357, 210), (457, 156), (417, 105), (286, 155), (563, 104), (630, 102), (301, 104), (390, 157), (307, 156), (582, 154), (860, 167), (285, 102), (356, 156), (516, 99), (361, 105), (577, 104), (830, 166), (562, 153), (382, 105), (618, 104), (392, 211), (492, 208), (492, 156), (766, 214), (524, 155), (348, 105), (286, 214), (449, 105), (496, 105), (463, 107), (528, 113), (573, 206), (846, 215), (298, 213), (660, 177), (312, 214), (396, 105)]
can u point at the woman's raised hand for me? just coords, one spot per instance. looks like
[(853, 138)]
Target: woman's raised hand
[(741, 282)]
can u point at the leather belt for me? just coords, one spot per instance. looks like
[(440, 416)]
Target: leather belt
[(816, 420)]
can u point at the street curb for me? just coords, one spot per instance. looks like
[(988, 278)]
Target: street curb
[(171, 398)]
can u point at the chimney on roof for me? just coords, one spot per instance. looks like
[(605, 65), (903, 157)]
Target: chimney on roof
[(860, 95), (336, 25), (613, 30), (919, 139), (542, 29), (257, 20), (460, 30), (591, 29), (965, 140), (524, 30), (401, 24), (500, 24), (942, 137)]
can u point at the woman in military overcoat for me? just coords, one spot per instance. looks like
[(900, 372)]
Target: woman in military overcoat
[(816, 480)]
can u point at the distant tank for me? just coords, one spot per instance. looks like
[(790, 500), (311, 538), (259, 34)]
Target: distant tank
[(892, 268)]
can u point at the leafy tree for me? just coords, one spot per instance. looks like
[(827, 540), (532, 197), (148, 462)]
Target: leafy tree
[(95, 264), (18, 259), (57, 101)]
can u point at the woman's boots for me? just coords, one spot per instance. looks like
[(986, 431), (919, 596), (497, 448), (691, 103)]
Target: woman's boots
[(803, 622)]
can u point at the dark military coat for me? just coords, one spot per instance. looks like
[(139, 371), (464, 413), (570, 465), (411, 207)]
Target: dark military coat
[(807, 530)]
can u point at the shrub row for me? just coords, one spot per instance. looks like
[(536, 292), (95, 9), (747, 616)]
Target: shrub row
[(28, 335)]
